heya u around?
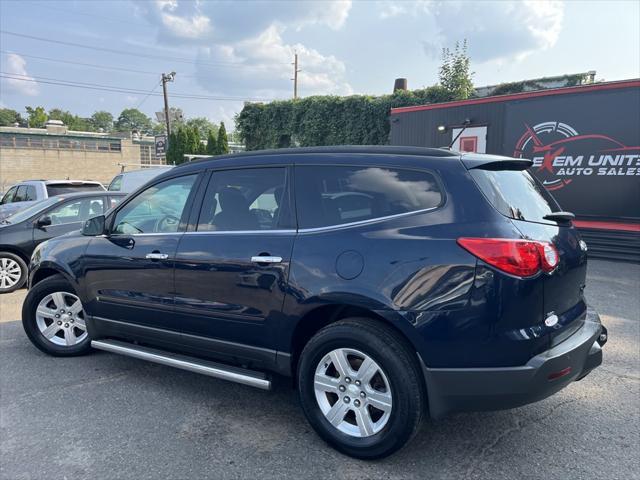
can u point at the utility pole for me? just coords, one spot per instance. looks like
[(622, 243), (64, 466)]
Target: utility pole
[(167, 78), (295, 75)]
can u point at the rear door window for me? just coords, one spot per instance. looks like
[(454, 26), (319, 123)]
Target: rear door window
[(335, 195), (246, 199), (77, 211), (516, 194), (113, 201), (62, 188), (21, 194), (31, 194)]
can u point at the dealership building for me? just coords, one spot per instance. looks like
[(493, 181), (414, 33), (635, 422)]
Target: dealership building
[(584, 142), (54, 152)]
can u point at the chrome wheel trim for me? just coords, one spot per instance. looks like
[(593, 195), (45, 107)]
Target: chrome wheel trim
[(60, 319), (353, 392), (10, 272)]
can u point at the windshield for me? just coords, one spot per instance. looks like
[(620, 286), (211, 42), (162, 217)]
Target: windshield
[(516, 194), (32, 210)]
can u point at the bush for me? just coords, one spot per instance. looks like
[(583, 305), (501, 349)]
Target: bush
[(327, 120)]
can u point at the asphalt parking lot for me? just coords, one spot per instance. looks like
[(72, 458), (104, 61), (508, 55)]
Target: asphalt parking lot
[(107, 416)]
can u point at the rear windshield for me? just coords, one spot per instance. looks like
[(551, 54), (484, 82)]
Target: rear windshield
[(62, 188), (516, 194)]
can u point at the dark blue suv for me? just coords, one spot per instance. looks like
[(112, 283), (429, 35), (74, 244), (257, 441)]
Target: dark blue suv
[(389, 282)]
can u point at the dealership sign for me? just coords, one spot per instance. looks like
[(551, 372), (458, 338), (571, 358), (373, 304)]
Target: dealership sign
[(560, 154), (585, 149)]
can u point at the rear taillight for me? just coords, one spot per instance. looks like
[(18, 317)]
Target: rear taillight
[(524, 258)]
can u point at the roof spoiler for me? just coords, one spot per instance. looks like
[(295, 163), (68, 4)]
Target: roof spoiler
[(494, 162)]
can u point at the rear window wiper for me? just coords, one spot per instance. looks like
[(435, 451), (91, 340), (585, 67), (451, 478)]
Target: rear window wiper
[(560, 216)]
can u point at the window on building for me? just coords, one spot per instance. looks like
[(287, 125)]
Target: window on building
[(145, 155), (7, 140), (21, 141)]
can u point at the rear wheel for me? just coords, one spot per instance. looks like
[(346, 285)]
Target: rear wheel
[(361, 388), (53, 318), (13, 272)]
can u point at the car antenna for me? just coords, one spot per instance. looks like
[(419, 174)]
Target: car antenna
[(465, 124)]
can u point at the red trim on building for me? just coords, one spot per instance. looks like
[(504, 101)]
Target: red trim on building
[(521, 96), (625, 227)]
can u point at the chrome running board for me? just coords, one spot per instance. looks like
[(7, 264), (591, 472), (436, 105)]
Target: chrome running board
[(205, 367)]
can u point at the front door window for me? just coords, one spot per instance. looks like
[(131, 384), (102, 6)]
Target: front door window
[(158, 209)]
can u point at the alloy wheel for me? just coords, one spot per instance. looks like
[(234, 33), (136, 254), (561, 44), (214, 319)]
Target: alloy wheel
[(60, 319), (353, 392), (10, 273)]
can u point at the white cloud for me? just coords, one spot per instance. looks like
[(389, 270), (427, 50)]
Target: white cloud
[(231, 20), (496, 30), (180, 22), (26, 84), (264, 68), (250, 34), (392, 8)]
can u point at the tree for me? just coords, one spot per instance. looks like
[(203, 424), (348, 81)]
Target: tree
[(455, 74), (102, 120), (9, 117), (37, 116), (222, 142), (73, 122), (172, 149), (133, 119), (202, 124), (212, 144), (182, 143), (193, 140)]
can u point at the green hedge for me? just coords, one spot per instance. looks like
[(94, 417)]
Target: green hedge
[(327, 120)]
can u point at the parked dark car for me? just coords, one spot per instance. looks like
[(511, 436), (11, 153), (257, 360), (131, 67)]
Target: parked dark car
[(23, 231), (389, 282)]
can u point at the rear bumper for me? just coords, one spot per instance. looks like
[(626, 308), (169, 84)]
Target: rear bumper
[(475, 389)]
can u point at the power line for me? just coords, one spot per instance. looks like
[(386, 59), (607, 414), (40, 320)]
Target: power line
[(133, 54), (111, 88), (148, 94), (92, 65)]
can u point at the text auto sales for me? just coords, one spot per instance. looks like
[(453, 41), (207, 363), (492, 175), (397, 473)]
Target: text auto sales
[(569, 165)]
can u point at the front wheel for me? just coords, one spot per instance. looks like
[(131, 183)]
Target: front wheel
[(53, 318), (13, 272), (361, 388)]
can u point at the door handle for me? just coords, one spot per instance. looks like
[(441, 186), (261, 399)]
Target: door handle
[(265, 259), (156, 256)]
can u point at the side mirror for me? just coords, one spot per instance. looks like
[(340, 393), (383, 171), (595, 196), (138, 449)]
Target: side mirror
[(94, 226), (43, 221)]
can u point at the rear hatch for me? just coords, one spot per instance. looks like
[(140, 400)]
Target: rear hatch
[(518, 195)]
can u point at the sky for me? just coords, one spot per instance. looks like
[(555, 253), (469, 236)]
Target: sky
[(226, 52)]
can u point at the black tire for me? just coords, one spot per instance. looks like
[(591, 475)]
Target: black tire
[(38, 292), (393, 354), (24, 271)]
